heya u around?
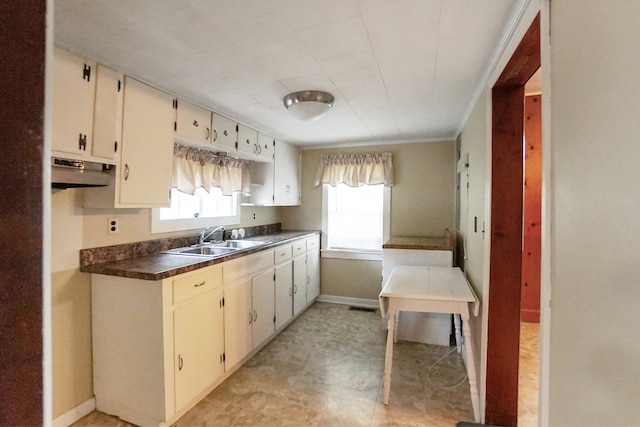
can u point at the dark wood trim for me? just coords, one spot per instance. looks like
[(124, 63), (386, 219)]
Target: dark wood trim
[(531, 239), (22, 76), (505, 268)]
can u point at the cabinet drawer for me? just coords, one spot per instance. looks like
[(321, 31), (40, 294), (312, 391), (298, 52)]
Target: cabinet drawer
[(299, 247), (242, 267), (282, 253), (191, 285), (313, 243)]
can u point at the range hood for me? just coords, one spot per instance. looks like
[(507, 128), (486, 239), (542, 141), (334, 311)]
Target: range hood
[(67, 173)]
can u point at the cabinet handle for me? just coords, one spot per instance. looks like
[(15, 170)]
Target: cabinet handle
[(215, 135), (225, 133), (259, 149), (115, 146), (197, 285), (126, 171), (180, 362), (308, 280), (250, 317), (208, 134), (290, 291), (295, 289), (195, 123), (255, 316)]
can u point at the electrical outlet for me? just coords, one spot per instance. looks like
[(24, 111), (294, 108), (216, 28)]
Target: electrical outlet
[(112, 225)]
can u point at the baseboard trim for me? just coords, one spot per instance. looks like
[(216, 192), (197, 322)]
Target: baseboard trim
[(73, 415), (356, 302)]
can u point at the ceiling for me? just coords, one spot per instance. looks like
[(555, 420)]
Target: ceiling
[(400, 71)]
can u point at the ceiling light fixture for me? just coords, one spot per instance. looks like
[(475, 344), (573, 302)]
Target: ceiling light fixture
[(308, 105)]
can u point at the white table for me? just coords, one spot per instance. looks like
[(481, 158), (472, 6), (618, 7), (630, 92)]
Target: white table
[(431, 290)]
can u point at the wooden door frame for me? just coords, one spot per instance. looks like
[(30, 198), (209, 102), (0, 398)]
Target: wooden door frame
[(505, 264)]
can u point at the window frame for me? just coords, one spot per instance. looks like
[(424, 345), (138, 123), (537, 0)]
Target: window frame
[(168, 225), (357, 254)]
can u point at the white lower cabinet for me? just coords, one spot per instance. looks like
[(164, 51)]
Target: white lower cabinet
[(299, 283), (263, 300), (161, 346), (313, 274), (238, 317), (198, 340), (284, 293), (156, 344)]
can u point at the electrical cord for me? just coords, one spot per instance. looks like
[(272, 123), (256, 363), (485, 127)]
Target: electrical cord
[(441, 386)]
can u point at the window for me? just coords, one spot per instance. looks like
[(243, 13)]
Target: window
[(355, 221), (200, 210)]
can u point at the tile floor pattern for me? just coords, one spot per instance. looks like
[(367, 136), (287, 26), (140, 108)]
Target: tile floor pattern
[(326, 369), (528, 374)]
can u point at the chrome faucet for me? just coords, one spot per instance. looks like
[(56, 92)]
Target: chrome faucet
[(203, 236)]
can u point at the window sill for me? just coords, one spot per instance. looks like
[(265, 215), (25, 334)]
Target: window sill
[(352, 254)]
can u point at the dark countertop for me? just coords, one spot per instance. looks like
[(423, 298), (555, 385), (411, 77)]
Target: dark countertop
[(158, 266)]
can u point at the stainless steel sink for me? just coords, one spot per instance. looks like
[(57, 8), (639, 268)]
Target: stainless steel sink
[(239, 244), (215, 249), (206, 250)]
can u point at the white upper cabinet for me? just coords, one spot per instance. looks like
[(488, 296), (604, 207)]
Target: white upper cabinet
[(107, 115), (266, 146), (247, 140), (147, 139), (224, 132), (287, 169), (74, 85), (192, 122)]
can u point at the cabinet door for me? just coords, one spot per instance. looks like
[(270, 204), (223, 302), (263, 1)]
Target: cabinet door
[(266, 146), (147, 146), (284, 293), (263, 307), (73, 96), (287, 175), (238, 318), (261, 184), (192, 122), (313, 274), (107, 117), (299, 283), (224, 132), (198, 335), (248, 140)]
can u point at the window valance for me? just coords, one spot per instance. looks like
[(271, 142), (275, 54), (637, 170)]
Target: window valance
[(355, 170), (194, 168)]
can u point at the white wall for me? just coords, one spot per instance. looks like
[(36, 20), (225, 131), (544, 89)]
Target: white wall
[(594, 202)]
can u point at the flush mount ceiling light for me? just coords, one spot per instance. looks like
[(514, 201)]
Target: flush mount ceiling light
[(308, 105)]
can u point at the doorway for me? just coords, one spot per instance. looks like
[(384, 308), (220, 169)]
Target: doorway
[(505, 266)]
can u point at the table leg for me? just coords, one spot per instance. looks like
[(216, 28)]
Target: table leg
[(471, 367), (456, 322), (388, 360)]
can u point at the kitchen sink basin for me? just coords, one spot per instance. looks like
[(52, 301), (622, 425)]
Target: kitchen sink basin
[(206, 250), (239, 244), (215, 249)]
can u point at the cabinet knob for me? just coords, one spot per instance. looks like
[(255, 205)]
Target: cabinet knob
[(195, 123)]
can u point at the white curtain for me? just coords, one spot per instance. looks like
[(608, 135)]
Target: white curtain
[(355, 170), (194, 168)]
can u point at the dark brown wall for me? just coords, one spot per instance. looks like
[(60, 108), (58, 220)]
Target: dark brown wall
[(22, 56)]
